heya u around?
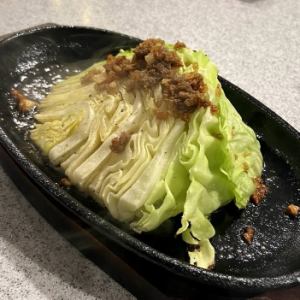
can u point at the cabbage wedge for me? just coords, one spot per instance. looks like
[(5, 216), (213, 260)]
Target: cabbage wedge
[(150, 134)]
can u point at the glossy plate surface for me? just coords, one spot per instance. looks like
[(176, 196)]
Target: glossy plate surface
[(32, 60)]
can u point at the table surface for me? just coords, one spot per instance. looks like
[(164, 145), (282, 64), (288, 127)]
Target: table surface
[(255, 45)]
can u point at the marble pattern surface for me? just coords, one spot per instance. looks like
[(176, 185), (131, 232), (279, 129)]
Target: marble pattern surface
[(255, 44)]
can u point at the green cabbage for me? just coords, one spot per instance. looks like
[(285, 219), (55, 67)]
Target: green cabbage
[(168, 168)]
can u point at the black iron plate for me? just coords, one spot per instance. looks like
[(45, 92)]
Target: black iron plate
[(32, 59)]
